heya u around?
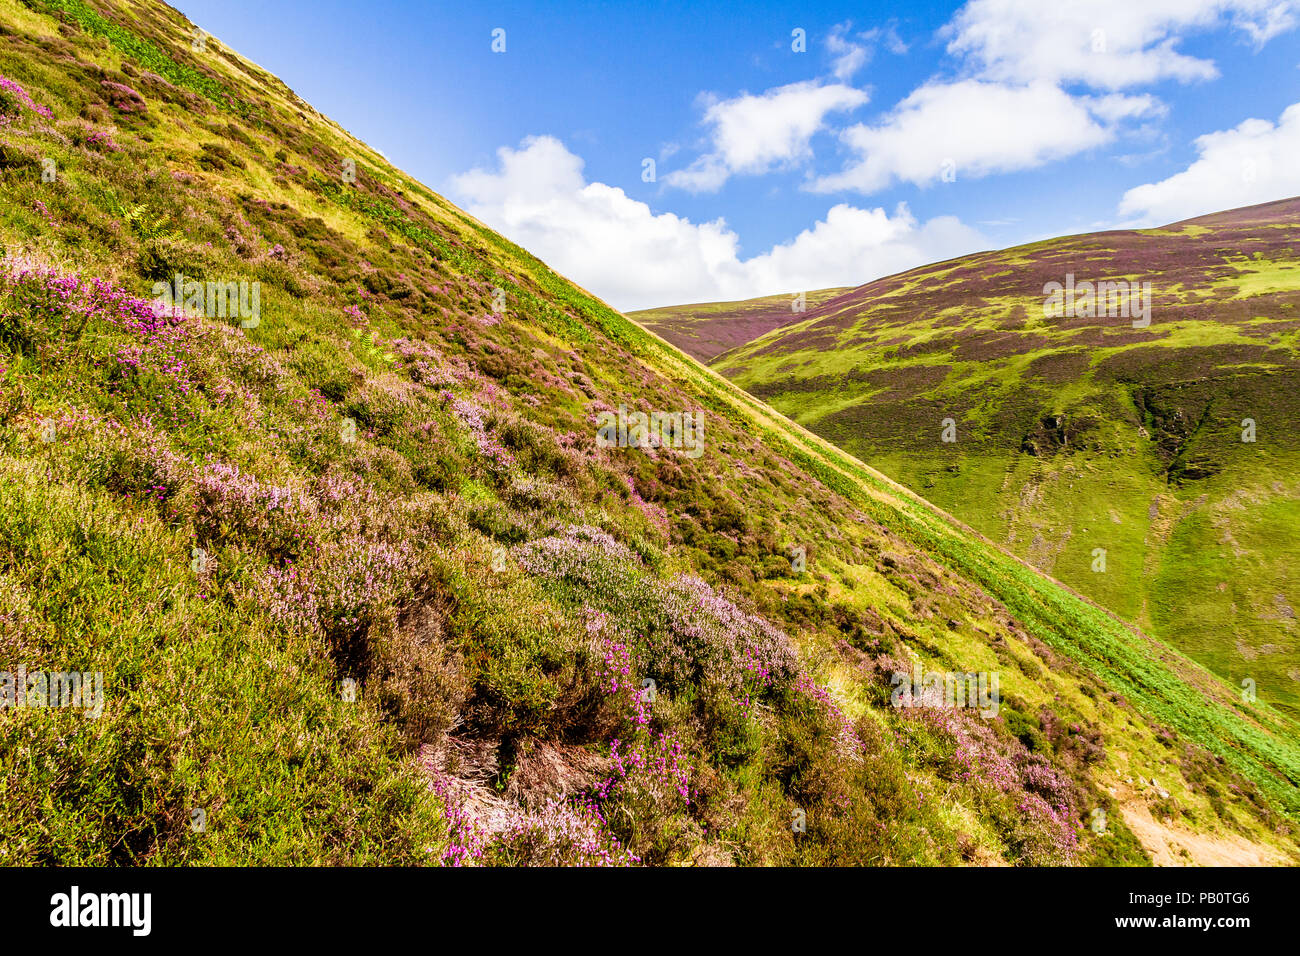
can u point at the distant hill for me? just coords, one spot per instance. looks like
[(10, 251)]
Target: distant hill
[(707, 329), (1078, 433)]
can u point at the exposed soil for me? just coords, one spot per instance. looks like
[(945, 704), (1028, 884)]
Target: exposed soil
[(1171, 844)]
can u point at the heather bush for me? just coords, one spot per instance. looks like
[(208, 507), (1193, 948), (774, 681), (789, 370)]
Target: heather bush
[(484, 831), (416, 676), (324, 369), (689, 634), (559, 834), (683, 634), (356, 587), (159, 260), (309, 757), (1036, 806), (1040, 834), (123, 98), (475, 419), (17, 159), (429, 367), (40, 306), (13, 99), (534, 674), (380, 406)]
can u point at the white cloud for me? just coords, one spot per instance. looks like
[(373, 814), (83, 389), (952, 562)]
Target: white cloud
[(1115, 107), (1278, 18), (852, 53), (849, 56), (1011, 111), (754, 134), (630, 256), (980, 128), (1251, 163), (1106, 44), (1015, 104), (851, 246)]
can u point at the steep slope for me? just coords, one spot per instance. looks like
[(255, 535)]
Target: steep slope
[(369, 578), (1169, 446)]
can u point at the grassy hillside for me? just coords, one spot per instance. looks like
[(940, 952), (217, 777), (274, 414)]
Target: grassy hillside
[(365, 586), (1079, 433)]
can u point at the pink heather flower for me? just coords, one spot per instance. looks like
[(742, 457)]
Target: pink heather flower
[(101, 139), (10, 86), (473, 417), (122, 97), (166, 346), (41, 208)]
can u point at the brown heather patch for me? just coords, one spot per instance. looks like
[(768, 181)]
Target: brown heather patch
[(1115, 338), (910, 424), (1062, 366), (905, 379), (983, 346), (1159, 364)]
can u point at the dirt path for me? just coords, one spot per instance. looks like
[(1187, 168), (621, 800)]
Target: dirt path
[(1173, 845)]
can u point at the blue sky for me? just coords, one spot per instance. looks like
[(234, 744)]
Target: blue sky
[(897, 136)]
